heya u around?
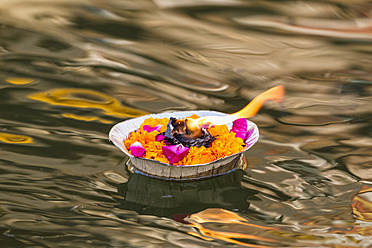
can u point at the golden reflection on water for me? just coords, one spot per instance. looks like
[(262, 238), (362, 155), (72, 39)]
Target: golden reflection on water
[(231, 227), (362, 204), (19, 81), (86, 98), (220, 224), (15, 139), (85, 118)]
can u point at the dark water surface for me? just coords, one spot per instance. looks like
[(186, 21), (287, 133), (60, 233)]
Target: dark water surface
[(71, 69)]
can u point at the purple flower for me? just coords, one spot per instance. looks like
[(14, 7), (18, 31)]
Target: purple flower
[(149, 129), (137, 149), (175, 153), (240, 128)]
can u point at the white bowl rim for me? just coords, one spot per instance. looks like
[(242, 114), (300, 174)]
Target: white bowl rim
[(122, 130)]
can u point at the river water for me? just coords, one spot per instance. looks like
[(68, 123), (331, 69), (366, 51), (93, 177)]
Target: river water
[(71, 69)]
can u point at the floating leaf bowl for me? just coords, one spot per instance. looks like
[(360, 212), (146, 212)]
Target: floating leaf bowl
[(154, 168)]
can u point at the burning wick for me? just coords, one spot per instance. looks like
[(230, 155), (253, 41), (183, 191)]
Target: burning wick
[(178, 133), (194, 132), (275, 94)]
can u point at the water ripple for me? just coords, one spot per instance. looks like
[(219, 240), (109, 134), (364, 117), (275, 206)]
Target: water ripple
[(71, 69)]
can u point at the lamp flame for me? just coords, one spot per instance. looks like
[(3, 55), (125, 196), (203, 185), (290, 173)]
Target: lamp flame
[(274, 94)]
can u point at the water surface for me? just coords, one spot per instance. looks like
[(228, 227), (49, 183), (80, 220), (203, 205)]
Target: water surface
[(70, 70)]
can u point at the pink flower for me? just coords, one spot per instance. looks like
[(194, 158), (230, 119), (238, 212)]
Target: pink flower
[(149, 129), (175, 153), (137, 149), (240, 128), (159, 137)]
